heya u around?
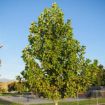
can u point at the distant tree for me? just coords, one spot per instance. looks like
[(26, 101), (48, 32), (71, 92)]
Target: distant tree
[(94, 70), (54, 59), (97, 73), (100, 81), (12, 87), (19, 78), (19, 84), (2, 90)]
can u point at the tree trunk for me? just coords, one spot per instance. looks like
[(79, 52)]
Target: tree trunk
[(77, 98), (56, 102)]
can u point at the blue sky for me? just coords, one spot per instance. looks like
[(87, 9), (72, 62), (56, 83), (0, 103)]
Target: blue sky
[(88, 22)]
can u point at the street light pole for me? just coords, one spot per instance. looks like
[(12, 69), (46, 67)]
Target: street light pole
[(0, 59), (1, 46)]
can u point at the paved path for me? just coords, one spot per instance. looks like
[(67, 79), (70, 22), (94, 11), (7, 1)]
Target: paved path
[(27, 100)]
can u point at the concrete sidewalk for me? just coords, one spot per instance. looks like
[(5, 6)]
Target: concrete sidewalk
[(25, 100)]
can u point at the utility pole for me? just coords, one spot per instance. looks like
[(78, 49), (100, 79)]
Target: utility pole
[(1, 46), (0, 59)]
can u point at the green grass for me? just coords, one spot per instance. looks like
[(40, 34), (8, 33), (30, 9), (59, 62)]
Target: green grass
[(83, 102), (4, 102), (9, 94)]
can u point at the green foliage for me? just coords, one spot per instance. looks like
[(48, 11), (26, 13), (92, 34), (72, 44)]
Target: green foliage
[(20, 85), (12, 87), (100, 76), (54, 59), (2, 90)]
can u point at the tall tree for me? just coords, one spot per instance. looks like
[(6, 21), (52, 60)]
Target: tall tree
[(54, 59)]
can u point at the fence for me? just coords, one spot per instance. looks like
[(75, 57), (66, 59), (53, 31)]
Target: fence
[(93, 97)]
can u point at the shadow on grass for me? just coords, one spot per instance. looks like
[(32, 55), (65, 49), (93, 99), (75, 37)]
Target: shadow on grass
[(5, 102)]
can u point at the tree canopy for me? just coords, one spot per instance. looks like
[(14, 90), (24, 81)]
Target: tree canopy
[(54, 59)]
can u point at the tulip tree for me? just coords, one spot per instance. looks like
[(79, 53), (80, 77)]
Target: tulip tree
[(54, 59)]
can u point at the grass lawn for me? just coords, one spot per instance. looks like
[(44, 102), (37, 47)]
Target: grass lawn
[(4, 102), (83, 102)]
